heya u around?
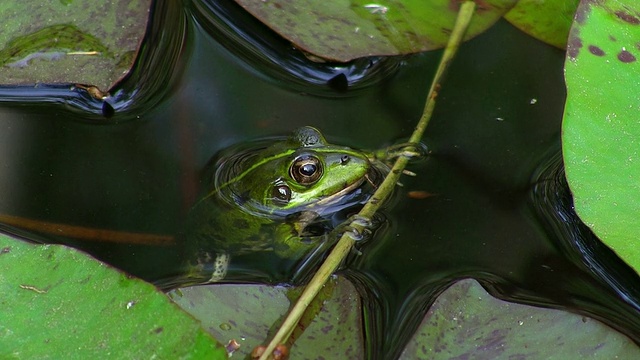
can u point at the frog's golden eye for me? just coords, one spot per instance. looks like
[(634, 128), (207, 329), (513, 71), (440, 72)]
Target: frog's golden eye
[(281, 194), (306, 170)]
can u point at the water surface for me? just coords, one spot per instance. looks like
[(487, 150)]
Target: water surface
[(499, 212)]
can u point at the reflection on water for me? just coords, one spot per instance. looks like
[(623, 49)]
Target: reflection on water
[(139, 171), (553, 203)]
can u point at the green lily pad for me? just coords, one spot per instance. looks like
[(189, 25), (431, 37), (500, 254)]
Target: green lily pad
[(548, 21), (60, 303), (465, 322), (601, 131), (83, 42), (344, 30)]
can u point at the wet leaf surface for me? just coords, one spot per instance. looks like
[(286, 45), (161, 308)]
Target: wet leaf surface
[(601, 131), (248, 313), (70, 41), (342, 31), (548, 21), (59, 302), (466, 322)]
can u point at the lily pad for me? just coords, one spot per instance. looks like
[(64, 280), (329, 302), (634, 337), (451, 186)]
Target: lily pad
[(548, 21), (61, 303), (601, 131), (82, 42), (341, 30), (465, 322), (248, 313)]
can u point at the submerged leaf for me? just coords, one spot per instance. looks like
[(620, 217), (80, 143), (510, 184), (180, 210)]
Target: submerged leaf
[(344, 30), (60, 303), (601, 131), (51, 42)]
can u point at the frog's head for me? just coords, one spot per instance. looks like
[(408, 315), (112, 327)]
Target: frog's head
[(300, 173)]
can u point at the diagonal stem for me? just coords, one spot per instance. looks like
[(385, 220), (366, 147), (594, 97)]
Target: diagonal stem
[(345, 244)]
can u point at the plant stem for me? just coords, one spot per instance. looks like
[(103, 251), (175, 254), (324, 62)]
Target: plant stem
[(346, 242)]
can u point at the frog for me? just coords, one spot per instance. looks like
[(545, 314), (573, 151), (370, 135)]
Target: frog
[(277, 196)]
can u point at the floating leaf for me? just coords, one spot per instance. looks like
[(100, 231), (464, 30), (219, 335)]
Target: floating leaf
[(345, 30), (465, 322), (601, 131), (59, 302), (246, 313), (548, 21)]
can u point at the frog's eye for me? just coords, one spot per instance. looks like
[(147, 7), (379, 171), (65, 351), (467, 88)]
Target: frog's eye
[(306, 170), (281, 194)]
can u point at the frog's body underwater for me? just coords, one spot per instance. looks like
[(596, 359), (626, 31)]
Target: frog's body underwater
[(278, 197)]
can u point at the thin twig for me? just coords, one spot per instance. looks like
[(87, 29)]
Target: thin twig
[(344, 245)]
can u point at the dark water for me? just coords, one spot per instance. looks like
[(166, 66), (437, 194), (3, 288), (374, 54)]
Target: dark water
[(500, 210)]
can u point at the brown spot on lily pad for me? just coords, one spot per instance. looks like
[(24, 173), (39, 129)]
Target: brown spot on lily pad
[(626, 17), (596, 50), (626, 56), (582, 13), (573, 47)]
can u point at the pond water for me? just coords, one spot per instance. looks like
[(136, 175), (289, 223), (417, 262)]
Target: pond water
[(209, 77)]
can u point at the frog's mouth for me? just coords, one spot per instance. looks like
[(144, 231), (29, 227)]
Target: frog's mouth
[(335, 198), (350, 194)]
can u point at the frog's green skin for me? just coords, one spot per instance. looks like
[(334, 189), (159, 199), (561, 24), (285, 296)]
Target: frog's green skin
[(264, 199), (49, 42)]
